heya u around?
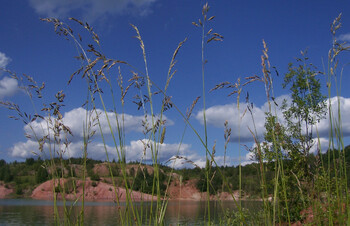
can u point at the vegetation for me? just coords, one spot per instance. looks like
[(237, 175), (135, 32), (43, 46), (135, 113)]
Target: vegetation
[(287, 178), (142, 180), (23, 176)]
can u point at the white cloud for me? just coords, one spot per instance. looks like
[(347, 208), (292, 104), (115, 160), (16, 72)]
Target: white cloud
[(90, 9), (344, 37), (319, 144), (324, 126), (24, 149), (135, 151), (4, 60), (30, 148), (8, 87), (248, 159), (218, 114), (142, 149), (76, 119), (191, 160), (180, 161), (172, 155)]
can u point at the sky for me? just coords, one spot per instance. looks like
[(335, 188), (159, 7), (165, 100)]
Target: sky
[(30, 46)]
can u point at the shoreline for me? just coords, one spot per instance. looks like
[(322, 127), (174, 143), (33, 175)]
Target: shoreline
[(103, 192)]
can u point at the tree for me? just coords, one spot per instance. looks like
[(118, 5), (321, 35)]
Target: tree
[(143, 181), (30, 161), (292, 140), (2, 162), (5, 173), (41, 175), (307, 108), (215, 181)]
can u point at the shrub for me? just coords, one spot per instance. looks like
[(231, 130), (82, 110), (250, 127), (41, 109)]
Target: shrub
[(41, 175), (19, 190), (95, 177)]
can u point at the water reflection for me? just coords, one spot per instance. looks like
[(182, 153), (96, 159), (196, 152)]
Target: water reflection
[(36, 212)]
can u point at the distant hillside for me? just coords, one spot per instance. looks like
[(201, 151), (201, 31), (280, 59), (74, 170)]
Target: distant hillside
[(20, 179)]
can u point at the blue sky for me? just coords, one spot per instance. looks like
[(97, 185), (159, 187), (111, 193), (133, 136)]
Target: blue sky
[(30, 46)]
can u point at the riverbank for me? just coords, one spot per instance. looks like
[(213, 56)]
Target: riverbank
[(101, 191), (5, 191)]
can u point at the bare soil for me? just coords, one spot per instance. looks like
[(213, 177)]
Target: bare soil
[(5, 192), (103, 190), (94, 191)]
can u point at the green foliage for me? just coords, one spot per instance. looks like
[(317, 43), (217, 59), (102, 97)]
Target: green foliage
[(132, 172), (19, 189), (143, 181), (41, 175), (189, 173), (30, 161), (58, 189), (58, 172), (306, 109), (291, 143), (93, 176), (2, 162), (307, 100), (215, 182), (115, 169), (5, 172), (234, 217)]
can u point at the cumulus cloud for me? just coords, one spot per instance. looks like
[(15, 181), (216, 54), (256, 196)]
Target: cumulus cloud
[(188, 161), (344, 107), (30, 148), (320, 144), (142, 149), (344, 37), (191, 160), (4, 60), (91, 9), (8, 87), (173, 155), (137, 150), (24, 149), (76, 120), (218, 114)]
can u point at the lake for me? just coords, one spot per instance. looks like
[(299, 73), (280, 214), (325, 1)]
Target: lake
[(40, 212)]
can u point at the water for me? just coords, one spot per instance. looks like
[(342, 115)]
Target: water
[(39, 212)]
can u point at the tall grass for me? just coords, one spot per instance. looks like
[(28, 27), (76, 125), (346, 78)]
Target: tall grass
[(324, 199)]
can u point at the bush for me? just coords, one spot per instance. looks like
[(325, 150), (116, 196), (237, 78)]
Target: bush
[(69, 186), (41, 175), (30, 161), (19, 190), (132, 172), (6, 174), (215, 183), (58, 189), (95, 177)]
